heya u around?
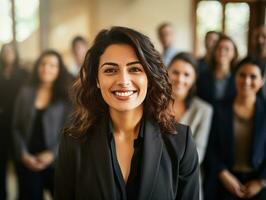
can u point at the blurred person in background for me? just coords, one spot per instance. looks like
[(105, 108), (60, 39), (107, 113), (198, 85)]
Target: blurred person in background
[(260, 47), (167, 38), (40, 112), (187, 107), (11, 79), (211, 38), (216, 83), (238, 139), (79, 48)]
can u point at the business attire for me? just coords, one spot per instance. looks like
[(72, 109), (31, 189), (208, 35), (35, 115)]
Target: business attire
[(168, 55), (36, 130), (203, 65), (213, 91), (164, 165), (199, 116), (239, 146), (9, 88)]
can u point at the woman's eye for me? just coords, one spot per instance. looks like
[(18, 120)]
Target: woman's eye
[(187, 74), (253, 76), (135, 69), (110, 70)]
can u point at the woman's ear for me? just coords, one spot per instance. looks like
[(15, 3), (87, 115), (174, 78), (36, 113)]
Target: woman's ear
[(98, 85)]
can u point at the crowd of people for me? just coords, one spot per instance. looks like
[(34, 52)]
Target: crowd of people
[(109, 126)]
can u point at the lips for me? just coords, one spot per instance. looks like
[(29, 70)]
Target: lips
[(123, 94)]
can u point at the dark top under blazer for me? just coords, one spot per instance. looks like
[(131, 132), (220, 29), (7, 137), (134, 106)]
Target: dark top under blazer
[(24, 115), (223, 139), (169, 167), (206, 87)]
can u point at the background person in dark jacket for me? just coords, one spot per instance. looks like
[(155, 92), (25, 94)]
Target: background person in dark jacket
[(40, 112), (11, 79), (238, 139), (122, 142)]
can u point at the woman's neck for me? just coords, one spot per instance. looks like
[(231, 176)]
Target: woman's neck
[(45, 86), (126, 124), (245, 101), (244, 106), (222, 70), (179, 108), (7, 70)]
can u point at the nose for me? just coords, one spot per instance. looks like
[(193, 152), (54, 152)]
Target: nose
[(247, 80), (180, 78), (123, 78)]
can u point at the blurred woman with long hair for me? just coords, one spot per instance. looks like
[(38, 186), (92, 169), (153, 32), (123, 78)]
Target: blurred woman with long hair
[(40, 112)]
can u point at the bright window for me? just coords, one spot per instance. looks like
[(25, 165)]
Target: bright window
[(236, 22), (5, 22), (26, 18), (236, 25)]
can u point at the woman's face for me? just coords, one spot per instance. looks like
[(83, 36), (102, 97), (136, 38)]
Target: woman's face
[(225, 52), (8, 55), (121, 78), (182, 76), (248, 80), (48, 69)]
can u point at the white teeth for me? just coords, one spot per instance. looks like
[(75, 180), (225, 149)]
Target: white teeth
[(124, 94)]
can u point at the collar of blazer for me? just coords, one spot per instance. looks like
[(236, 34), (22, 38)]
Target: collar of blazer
[(152, 152)]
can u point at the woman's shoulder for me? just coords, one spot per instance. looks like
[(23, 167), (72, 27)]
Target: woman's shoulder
[(26, 92), (200, 104), (181, 140), (69, 142)]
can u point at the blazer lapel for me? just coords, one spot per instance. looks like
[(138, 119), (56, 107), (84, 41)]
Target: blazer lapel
[(99, 150), (152, 152), (258, 123)]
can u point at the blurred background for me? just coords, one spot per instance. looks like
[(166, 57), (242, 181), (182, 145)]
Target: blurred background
[(35, 25)]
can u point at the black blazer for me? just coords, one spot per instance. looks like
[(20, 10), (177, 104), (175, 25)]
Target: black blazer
[(220, 153), (169, 168), (53, 120), (206, 87)]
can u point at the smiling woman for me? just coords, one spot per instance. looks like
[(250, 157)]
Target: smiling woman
[(122, 143), (239, 171)]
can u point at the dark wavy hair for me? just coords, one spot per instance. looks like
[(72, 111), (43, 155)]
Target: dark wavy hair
[(234, 60), (61, 84), (188, 58), (89, 103), (253, 60)]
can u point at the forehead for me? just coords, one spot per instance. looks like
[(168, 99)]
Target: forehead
[(226, 43), (182, 65), (261, 31), (49, 58), (119, 53), (249, 68), (212, 35)]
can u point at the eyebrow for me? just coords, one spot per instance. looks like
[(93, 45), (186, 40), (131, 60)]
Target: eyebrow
[(115, 64)]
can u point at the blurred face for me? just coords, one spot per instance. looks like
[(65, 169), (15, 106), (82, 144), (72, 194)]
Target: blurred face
[(211, 40), (260, 39), (122, 79), (79, 52), (48, 69), (225, 52), (182, 76), (248, 80), (8, 54), (167, 36)]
